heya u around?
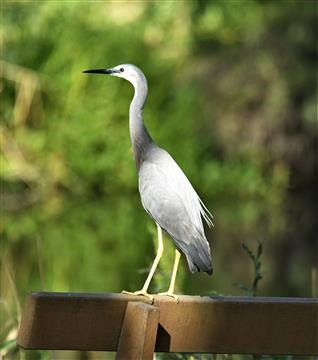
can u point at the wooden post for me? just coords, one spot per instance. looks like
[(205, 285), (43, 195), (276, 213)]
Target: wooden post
[(139, 331)]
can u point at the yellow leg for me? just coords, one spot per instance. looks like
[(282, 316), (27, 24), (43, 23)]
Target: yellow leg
[(144, 289), (173, 277)]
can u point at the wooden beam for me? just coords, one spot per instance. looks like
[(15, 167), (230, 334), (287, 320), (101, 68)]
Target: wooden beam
[(139, 331), (232, 325)]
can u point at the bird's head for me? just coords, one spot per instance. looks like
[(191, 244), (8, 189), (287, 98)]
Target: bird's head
[(126, 71)]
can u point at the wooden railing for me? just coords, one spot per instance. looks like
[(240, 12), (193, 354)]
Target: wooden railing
[(136, 329)]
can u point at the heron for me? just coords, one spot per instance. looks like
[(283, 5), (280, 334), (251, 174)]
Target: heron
[(166, 193)]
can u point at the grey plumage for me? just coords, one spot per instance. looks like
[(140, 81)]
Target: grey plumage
[(166, 193), (171, 201)]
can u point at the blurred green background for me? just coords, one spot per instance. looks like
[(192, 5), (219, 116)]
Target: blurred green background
[(232, 97)]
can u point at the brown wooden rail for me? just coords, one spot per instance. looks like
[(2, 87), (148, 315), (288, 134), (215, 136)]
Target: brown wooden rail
[(135, 329)]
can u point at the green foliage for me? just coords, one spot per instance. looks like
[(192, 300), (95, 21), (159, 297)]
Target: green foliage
[(257, 267), (7, 345), (231, 97)]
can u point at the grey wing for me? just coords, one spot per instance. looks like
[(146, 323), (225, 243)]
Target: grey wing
[(169, 198)]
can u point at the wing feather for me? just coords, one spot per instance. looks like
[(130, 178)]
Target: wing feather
[(168, 196)]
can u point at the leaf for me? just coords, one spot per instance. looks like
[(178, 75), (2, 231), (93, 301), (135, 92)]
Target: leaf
[(7, 346)]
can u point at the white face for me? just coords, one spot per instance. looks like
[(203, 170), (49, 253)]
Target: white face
[(126, 71)]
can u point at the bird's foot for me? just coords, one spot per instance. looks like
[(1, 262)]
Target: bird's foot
[(140, 292), (171, 294)]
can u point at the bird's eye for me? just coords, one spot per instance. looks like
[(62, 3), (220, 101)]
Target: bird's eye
[(121, 69)]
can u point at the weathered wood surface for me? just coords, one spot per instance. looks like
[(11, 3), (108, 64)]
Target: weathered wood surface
[(75, 321), (139, 331)]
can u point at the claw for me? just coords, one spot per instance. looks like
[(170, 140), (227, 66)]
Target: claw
[(140, 292), (171, 294)]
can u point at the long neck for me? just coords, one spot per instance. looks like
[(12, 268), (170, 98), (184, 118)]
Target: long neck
[(140, 138)]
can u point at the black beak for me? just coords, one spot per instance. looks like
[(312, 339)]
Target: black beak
[(100, 71)]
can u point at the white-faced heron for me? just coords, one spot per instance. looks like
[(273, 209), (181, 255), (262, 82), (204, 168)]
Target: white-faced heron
[(166, 193)]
